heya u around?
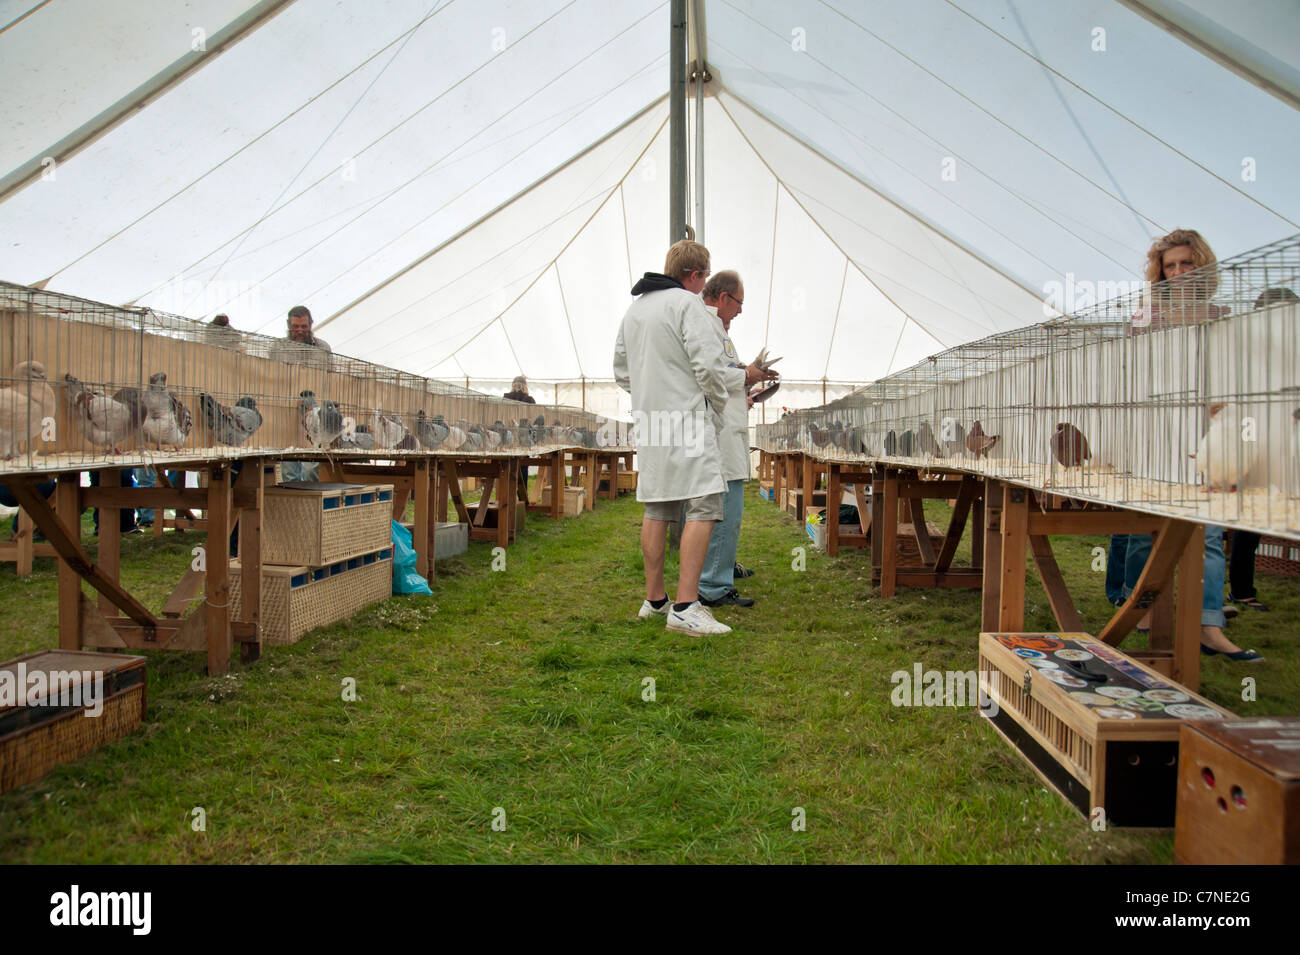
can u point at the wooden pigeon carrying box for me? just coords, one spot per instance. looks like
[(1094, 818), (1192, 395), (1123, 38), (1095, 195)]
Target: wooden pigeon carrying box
[(1239, 792), (317, 524), (51, 719), (1097, 726), (296, 599)]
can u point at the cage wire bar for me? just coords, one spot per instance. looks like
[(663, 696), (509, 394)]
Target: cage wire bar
[(85, 385), (1179, 398)]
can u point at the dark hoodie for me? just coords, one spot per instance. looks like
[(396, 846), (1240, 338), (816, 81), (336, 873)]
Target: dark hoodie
[(655, 282)]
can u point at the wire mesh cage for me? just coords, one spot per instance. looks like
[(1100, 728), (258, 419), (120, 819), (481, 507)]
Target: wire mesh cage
[(1180, 397), (84, 384)]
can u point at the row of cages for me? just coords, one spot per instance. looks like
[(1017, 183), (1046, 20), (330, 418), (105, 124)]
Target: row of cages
[(83, 384), (1180, 398)]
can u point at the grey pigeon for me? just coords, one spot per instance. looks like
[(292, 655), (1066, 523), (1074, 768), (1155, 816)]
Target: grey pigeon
[(167, 420), (431, 433), (322, 421), (361, 439), (891, 443), (925, 443), (388, 430), (232, 426)]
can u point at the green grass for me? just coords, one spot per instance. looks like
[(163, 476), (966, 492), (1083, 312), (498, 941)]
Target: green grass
[(523, 690)]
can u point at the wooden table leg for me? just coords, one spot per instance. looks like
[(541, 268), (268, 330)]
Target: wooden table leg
[(252, 477), (889, 536), (109, 558), (216, 607), (67, 506), (1015, 540), (992, 596), (421, 540), (1187, 611), (833, 510)]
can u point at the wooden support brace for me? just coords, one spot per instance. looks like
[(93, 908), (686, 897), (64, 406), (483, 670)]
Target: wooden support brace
[(1166, 550), (956, 525), (1015, 522), (1058, 595)]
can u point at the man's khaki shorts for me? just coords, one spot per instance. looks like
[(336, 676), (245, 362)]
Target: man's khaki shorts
[(707, 507)]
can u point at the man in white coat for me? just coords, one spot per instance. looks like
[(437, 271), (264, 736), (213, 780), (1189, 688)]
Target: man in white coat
[(668, 357), (724, 296)]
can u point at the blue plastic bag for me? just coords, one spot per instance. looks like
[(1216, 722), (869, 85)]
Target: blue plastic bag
[(405, 578)]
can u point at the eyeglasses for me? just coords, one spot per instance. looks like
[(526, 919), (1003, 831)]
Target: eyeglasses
[(738, 301), (704, 272)]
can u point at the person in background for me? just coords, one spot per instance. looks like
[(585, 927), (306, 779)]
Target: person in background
[(519, 392), (148, 477), (1180, 268), (724, 297), (306, 348)]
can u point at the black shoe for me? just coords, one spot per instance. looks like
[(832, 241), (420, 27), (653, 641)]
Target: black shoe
[(731, 598), (740, 572)]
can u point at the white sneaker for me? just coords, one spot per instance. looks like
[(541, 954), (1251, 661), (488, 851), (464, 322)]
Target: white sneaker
[(695, 619), (648, 609)]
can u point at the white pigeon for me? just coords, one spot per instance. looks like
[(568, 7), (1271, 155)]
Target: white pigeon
[(1224, 458), (388, 429), (167, 420), (23, 407), (106, 421)]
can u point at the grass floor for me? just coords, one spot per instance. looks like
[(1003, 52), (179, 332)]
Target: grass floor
[(520, 697)]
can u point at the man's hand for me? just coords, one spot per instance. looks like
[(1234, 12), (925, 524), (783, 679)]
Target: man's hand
[(755, 373)]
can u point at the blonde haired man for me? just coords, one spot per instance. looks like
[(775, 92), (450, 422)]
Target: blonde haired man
[(667, 358)]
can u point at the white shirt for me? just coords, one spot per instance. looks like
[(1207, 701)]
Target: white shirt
[(668, 357), (734, 436)]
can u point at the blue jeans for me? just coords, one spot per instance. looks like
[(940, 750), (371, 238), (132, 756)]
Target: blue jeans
[(299, 471), (147, 477), (717, 579), (1115, 568), (1139, 549)]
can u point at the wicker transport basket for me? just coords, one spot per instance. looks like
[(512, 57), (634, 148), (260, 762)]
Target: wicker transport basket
[(318, 524), (44, 732), (297, 598)]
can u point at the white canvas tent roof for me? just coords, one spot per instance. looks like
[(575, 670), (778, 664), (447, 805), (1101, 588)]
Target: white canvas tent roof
[(466, 190)]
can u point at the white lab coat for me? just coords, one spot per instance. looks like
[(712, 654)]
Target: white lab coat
[(668, 357), (734, 437)]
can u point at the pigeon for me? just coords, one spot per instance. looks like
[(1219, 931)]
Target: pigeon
[(1069, 446), (527, 433), (954, 442), (1223, 459), (322, 421), (474, 439), (907, 444), (167, 420), (821, 437), (232, 426), (361, 439), (979, 443), (388, 430), (24, 406), (891, 443), (856, 441), (455, 437), (431, 432), (507, 436), (106, 421), (926, 445)]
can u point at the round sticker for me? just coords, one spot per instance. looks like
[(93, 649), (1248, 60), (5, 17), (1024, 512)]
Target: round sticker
[(1033, 641), (1114, 713), (1044, 664), (1166, 696), (1062, 678), (1074, 655), (1118, 692), (1029, 654), (1193, 711), (1142, 705), (1091, 699)]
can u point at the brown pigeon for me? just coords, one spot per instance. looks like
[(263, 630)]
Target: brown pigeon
[(1069, 446), (979, 443)]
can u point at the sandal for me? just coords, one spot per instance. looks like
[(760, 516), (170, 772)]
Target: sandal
[(1251, 602)]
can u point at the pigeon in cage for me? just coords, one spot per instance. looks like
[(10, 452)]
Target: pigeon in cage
[(1224, 457), (234, 425), (1069, 446), (978, 443), (431, 433), (388, 430), (507, 436), (925, 443), (167, 421), (954, 438), (857, 443), (24, 407), (106, 420), (891, 443), (527, 433), (455, 436), (321, 420), (907, 444), (360, 439), (474, 439)]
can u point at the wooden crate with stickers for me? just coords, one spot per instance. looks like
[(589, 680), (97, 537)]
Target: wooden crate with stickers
[(1096, 725)]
